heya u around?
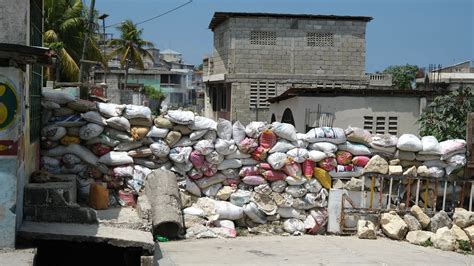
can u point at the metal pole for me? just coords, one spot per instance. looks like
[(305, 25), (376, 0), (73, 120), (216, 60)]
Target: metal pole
[(106, 61), (86, 37)]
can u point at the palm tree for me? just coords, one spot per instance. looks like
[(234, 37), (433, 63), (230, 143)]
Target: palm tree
[(65, 24), (130, 48)]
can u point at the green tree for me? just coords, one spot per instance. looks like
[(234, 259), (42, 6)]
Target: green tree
[(402, 76), (65, 22), (445, 118), (131, 48), (155, 95)]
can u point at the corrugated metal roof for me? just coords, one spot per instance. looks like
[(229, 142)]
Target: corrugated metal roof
[(220, 17)]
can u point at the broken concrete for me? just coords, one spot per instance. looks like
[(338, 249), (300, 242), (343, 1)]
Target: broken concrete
[(419, 237), (393, 226), (376, 164), (439, 220), (445, 239), (420, 216), (366, 230), (412, 223), (463, 218)]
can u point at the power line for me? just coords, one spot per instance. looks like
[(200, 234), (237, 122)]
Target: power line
[(155, 17)]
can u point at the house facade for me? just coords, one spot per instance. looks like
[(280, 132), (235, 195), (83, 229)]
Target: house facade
[(258, 56), (449, 78)]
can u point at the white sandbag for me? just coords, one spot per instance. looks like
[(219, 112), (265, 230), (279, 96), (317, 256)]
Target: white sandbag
[(118, 134), (195, 135), (296, 191), (293, 226), (204, 146), (430, 145), (436, 172), (317, 156), (277, 160), (192, 188), (295, 181), (184, 142), (224, 129), (212, 191), (409, 142), (228, 211), (333, 135), (451, 147), (110, 109), (90, 131), (94, 117), (180, 154), (313, 186), (256, 215), (119, 123), (68, 159), (249, 161), (46, 160), (194, 211), (57, 96), (126, 146), (214, 157), (210, 135), (427, 157), (238, 155), (323, 146), (405, 155), (354, 148), (123, 171), (203, 123), (238, 132), (225, 147), (300, 143), (240, 197), (298, 155), (115, 158), (278, 186), (137, 111), (341, 172), (156, 132), (253, 129), (53, 132), (231, 173), (50, 105), (437, 163), (284, 130), (384, 141), (180, 117), (103, 139), (229, 163), (160, 149), (455, 162), (78, 150), (282, 146), (288, 212)]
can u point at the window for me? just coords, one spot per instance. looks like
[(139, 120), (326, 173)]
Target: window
[(263, 37), (36, 74), (288, 117), (176, 98), (381, 124), (220, 97), (316, 39), (260, 92)]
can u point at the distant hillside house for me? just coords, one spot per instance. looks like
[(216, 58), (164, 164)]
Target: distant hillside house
[(449, 78), (258, 56)]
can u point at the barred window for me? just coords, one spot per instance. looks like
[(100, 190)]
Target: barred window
[(260, 92), (263, 37), (316, 39), (381, 124)]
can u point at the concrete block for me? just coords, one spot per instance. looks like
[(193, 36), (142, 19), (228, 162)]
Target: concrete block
[(69, 214)]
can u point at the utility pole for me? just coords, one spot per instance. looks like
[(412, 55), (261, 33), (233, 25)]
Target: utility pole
[(103, 17), (84, 47)]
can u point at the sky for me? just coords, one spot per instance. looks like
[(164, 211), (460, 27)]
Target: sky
[(418, 32)]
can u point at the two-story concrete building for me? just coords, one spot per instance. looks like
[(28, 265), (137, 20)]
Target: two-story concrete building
[(258, 56)]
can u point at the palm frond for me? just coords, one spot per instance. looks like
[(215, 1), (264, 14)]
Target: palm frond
[(50, 36), (68, 66)]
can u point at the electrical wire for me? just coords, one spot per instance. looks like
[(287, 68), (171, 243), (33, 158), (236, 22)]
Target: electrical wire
[(155, 17)]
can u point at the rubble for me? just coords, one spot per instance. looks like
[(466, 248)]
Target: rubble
[(463, 218), (445, 239), (439, 220), (393, 226), (419, 237), (412, 223), (420, 216), (366, 230)]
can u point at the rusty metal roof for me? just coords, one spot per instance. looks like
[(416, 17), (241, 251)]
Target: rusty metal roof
[(220, 17)]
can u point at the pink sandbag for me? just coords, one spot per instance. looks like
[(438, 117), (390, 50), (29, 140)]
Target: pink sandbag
[(274, 175), (248, 170), (267, 139), (197, 159), (208, 169), (264, 166), (195, 174), (343, 157), (292, 168), (260, 154), (254, 180), (231, 182), (308, 168), (248, 145), (328, 164), (360, 161)]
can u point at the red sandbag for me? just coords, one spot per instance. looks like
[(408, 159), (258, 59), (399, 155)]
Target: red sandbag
[(248, 170), (343, 157), (328, 164), (248, 145), (197, 159), (100, 149), (267, 139), (231, 182), (274, 175), (260, 154), (360, 161), (254, 180), (308, 168), (292, 168), (264, 166), (208, 169)]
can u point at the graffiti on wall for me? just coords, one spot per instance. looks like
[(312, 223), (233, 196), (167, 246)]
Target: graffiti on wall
[(9, 106)]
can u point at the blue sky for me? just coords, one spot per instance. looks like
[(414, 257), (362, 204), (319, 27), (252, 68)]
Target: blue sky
[(419, 32)]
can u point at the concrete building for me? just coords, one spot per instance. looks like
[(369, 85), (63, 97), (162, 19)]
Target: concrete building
[(449, 78), (21, 77), (258, 56), (377, 110)]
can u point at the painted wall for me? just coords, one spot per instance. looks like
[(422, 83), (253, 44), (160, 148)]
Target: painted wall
[(350, 110)]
